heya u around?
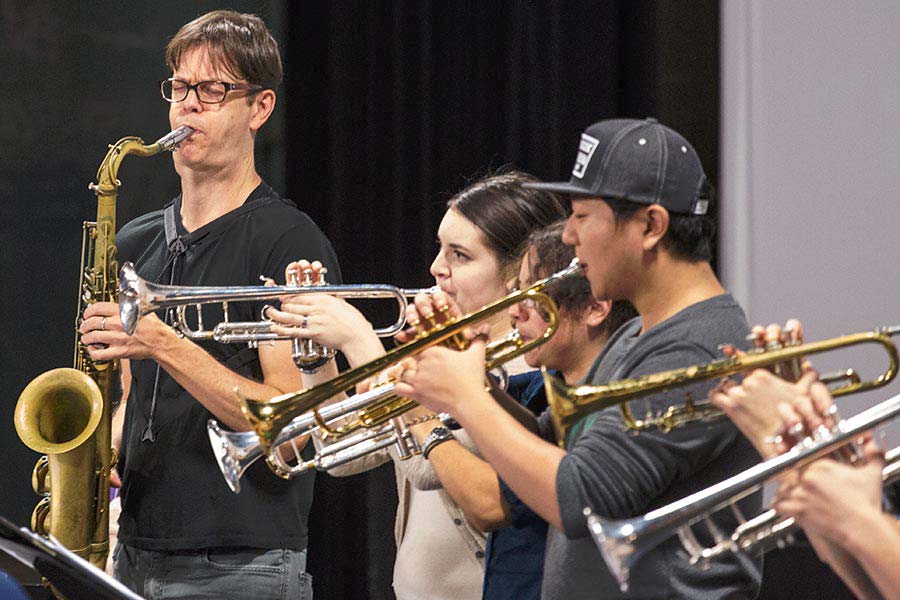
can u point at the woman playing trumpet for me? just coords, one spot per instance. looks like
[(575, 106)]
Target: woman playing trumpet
[(515, 549), (439, 554)]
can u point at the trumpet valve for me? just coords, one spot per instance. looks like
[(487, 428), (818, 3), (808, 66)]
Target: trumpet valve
[(293, 277), (405, 442)]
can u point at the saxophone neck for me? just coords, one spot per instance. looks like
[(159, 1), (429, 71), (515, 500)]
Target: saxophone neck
[(107, 180)]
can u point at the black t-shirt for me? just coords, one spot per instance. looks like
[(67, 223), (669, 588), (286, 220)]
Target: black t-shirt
[(173, 494)]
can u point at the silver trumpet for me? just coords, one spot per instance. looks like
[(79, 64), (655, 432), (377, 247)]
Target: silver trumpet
[(623, 542), (361, 424), (235, 451), (138, 297), (768, 530)]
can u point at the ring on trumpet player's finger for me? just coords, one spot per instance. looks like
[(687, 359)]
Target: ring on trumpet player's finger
[(304, 322), (103, 324)]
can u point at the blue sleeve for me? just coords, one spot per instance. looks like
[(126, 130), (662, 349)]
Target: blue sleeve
[(520, 515)]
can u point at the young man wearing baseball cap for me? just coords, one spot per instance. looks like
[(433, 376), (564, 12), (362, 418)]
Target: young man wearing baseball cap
[(640, 228)]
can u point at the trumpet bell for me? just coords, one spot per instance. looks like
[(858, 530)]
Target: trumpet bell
[(234, 452), (617, 549), (133, 298)]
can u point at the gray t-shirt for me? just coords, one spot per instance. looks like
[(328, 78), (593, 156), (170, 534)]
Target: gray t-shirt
[(619, 474)]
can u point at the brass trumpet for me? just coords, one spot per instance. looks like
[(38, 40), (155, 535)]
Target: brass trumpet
[(269, 417), (139, 297), (623, 542), (367, 423), (570, 404)]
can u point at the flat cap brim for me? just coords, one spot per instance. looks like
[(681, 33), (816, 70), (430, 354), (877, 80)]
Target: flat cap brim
[(561, 187)]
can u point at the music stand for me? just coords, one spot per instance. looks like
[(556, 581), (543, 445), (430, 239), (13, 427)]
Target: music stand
[(73, 576)]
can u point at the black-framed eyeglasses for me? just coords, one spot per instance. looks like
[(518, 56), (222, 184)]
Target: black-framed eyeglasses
[(208, 92)]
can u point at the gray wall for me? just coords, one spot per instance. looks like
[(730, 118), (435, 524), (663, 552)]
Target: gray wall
[(810, 169)]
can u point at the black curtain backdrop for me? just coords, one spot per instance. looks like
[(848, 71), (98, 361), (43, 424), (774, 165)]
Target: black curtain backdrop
[(387, 109)]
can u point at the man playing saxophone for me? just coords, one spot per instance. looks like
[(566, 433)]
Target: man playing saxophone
[(182, 532)]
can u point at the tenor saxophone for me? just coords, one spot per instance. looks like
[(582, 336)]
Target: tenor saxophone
[(66, 413)]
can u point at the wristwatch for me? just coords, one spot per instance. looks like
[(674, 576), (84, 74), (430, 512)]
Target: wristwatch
[(313, 367), (436, 436)]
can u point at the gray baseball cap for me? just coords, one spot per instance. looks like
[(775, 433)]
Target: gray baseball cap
[(640, 161)]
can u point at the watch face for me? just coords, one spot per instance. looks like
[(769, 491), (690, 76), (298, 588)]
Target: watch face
[(435, 437), (440, 432)]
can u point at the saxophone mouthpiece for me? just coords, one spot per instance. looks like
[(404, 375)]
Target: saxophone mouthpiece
[(171, 140)]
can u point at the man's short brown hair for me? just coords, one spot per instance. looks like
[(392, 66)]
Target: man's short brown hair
[(238, 44)]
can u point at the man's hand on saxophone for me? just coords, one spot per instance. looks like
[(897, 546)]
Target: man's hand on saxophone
[(102, 333)]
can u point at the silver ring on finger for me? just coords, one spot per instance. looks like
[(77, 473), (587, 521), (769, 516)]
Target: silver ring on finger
[(305, 322), (103, 324)]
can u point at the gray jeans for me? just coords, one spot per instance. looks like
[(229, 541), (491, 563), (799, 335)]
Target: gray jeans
[(238, 573)]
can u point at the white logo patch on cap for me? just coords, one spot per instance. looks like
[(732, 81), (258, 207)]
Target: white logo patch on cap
[(585, 152)]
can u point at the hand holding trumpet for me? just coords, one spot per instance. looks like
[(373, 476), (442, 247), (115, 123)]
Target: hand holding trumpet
[(774, 413), (325, 319), (441, 377)]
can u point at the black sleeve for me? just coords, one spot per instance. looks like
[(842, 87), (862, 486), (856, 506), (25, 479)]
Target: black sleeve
[(619, 474), (303, 241)]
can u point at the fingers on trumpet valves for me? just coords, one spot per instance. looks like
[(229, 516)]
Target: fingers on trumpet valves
[(757, 337), (304, 272), (424, 305), (414, 327), (790, 433), (730, 350), (793, 331), (774, 337), (293, 270), (823, 404)]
